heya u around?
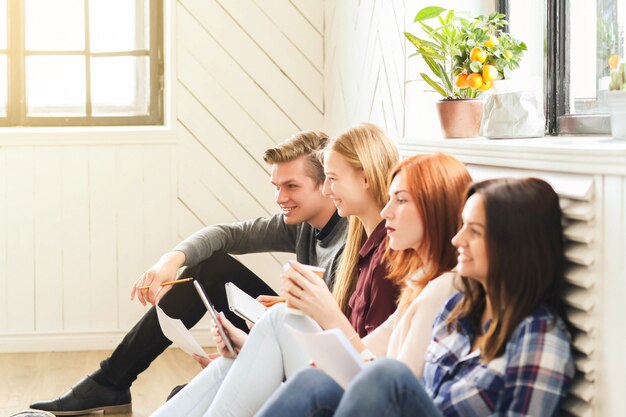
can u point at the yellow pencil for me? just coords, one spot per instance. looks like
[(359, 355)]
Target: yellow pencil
[(163, 284)]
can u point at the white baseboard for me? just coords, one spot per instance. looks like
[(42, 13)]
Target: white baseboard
[(72, 341)]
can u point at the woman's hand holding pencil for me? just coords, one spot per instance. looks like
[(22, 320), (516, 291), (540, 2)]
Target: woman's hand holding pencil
[(269, 300)]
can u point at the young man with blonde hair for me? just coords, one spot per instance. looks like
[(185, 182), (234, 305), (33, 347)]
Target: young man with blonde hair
[(307, 225)]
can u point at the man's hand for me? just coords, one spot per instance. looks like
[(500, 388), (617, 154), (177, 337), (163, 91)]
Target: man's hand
[(164, 270)]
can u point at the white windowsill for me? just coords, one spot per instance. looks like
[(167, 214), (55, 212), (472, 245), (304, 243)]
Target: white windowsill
[(97, 135), (588, 154)]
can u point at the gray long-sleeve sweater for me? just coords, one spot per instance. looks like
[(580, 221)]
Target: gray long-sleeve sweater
[(321, 248)]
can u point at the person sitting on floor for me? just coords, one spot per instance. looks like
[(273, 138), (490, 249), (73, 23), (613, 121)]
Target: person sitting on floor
[(357, 164), (307, 225), (498, 347)]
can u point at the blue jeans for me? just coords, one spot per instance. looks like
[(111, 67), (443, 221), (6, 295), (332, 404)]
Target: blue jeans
[(385, 388)]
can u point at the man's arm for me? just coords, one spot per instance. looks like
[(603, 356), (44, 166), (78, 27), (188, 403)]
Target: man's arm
[(264, 234)]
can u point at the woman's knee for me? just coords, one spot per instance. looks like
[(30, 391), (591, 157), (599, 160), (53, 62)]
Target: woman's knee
[(311, 380), (385, 372)]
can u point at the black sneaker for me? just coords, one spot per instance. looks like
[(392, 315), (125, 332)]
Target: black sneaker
[(87, 396)]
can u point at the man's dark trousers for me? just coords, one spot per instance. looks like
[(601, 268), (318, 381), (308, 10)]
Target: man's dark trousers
[(145, 341)]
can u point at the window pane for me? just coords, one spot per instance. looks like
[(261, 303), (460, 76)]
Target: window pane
[(3, 24), (57, 25), (118, 25), (55, 85), (592, 44), (120, 86), (527, 23), (3, 85)]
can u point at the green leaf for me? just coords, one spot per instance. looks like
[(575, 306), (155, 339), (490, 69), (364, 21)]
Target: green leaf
[(433, 33), (428, 13), (446, 80), (434, 67), (476, 66), (428, 44), (434, 85), (424, 48), (450, 16), (426, 52), (413, 39)]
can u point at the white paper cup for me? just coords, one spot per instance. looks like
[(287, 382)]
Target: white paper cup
[(318, 271)]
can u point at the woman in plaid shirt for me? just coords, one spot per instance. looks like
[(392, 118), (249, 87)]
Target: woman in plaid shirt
[(499, 347)]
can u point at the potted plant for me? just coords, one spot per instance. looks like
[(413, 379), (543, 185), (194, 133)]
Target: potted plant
[(465, 55), (617, 98)]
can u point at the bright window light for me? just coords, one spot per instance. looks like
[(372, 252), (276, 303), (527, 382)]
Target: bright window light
[(119, 85), (57, 25), (81, 62), (3, 85), (118, 25), (55, 85), (3, 26)]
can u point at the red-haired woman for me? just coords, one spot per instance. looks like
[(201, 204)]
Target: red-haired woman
[(422, 215), (499, 347)]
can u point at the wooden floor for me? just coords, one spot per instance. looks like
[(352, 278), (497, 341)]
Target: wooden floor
[(29, 377)]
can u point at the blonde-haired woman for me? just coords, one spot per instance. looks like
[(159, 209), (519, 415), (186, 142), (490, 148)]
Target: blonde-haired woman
[(357, 164), (356, 179)]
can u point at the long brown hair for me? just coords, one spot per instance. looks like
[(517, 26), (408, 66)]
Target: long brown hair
[(524, 240), (437, 184), (364, 147)]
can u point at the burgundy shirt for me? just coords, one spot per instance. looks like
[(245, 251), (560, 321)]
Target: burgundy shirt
[(374, 298)]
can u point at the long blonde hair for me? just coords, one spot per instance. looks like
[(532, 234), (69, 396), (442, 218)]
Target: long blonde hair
[(364, 147)]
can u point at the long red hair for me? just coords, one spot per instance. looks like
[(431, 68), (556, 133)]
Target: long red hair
[(437, 184)]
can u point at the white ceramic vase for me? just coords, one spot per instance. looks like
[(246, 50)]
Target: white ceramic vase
[(617, 109)]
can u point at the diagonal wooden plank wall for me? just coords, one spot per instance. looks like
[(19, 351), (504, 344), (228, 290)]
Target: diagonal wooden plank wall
[(365, 64), (249, 75)]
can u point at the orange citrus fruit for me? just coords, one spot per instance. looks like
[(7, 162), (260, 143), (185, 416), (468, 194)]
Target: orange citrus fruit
[(477, 54), (486, 86), (613, 61), (492, 41), (475, 80), (490, 73), (461, 81)]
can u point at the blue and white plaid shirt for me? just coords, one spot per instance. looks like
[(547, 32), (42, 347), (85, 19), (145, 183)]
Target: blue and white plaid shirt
[(529, 379)]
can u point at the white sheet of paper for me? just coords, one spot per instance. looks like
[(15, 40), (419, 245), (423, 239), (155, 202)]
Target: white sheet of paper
[(175, 330), (332, 353)]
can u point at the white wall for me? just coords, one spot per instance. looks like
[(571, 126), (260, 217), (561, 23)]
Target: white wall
[(83, 214), (367, 74), (250, 74), (78, 224)]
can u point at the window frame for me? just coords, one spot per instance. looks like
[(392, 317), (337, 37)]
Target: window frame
[(16, 89), (557, 77)]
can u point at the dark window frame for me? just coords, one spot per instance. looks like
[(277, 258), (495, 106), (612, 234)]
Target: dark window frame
[(16, 90), (557, 76)]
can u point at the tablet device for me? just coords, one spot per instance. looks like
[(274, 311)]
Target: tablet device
[(213, 314), (240, 303)]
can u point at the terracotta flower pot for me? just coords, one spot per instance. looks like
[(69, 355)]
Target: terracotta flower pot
[(460, 118)]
